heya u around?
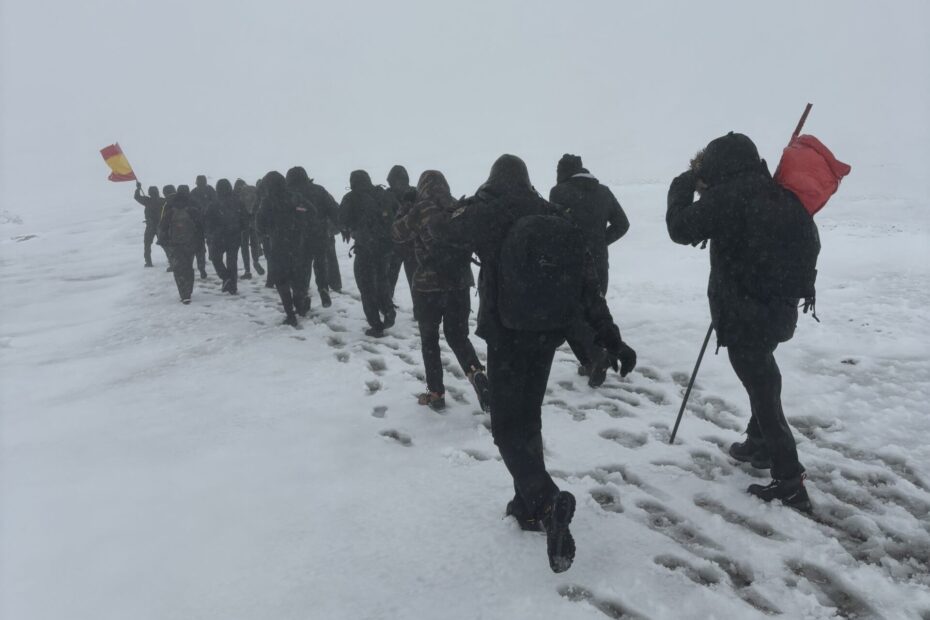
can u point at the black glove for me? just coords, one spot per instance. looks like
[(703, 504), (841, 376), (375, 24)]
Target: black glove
[(622, 352), (138, 185), (346, 236), (687, 180)]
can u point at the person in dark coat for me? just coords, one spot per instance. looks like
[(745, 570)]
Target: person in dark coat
[(366, 215), (263, 237), (519, 361), (181, 230), (167, 191), (403, 254), (441, 289), (287, 224), (203, 196), (737, 201), (247, 195), (330, 213), (153, 204), (225, 222), (321, 214), (595, 210)]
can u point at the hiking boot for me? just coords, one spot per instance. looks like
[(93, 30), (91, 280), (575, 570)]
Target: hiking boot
[(527, 523), (583, 370), (751, 452), (302, 306), (268, 284), (225, 287), (290, 320), (149, 265), (479, 381), (560, 544), (203, 275), (258, 268), (186, 301), (375, 332), (389, 319), (790, 492), (246, 276), (325, 299), (599, 370), (434, 400)]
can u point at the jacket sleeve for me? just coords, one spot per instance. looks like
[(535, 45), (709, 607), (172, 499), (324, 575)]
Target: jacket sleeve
[(691, 222), (264, 221), (164, 225), (404, 228), (596, 312), (140, 197), (348, 215), (618, 223)]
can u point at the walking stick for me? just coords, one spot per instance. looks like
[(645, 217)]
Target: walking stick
[(697, 365)]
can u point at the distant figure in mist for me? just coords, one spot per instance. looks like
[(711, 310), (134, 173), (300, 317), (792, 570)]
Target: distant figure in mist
[(225, 222), (251, 249), (167, 191), (203, 196), (320, 214), (740, 207), (403, 254), (595, 210), (153, 204), (181, 231), (366, 215)]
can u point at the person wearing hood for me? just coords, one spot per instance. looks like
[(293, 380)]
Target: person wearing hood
[(247, 196), (595, 210), (153, 204), (263, 237), (202, 196), (286, 221), (519, 360), (366, 214), (225, 222), (181, 231), (440, 289), (321, 215), (329, 210), (167, 191), (404, 254), (738, 206)]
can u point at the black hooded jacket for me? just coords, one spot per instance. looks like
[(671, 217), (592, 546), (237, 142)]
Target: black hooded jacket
[(203, 194), (226, 217), (738, 208), (289, 226), (181, 223), (153, 204), (482, 224), (405, 195), (367, 213)]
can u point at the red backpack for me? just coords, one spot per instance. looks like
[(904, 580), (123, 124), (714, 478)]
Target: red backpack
[(810, 171)]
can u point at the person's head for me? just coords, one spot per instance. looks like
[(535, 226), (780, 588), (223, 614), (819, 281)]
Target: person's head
[(274, 186), (223, 187), (433, 187), (168, 190), (153, 191), (725, 158), (184, 192), (239, 184), (568, 166), (201, 181), (359, 180), (398, 178), (508, 175), (297, 177)]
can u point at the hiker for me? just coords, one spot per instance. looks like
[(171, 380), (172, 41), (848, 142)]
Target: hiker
[(441, 289), (181, 230), (739, 211), (287, 225), (536, 276), (202, 196), (595, 210), (403, 254), (366, 215), (247, 196), (153, 204), (225, 222), (320, 214), (167, 191)]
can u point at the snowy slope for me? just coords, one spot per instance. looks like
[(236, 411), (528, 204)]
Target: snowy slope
[(161, 461)]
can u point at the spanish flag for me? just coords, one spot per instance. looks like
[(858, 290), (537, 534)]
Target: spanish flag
[(118, 163)]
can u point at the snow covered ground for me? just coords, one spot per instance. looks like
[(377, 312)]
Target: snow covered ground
[(162, 461)]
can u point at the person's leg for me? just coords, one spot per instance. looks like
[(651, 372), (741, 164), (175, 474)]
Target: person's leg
[(232, 265), (429, 316), (201, 254), (320, 274), (385, 291), (576, 336), (456, 308), (393, 272), (182, 259), (150, 229), (333, 275), (266, 248), (246, 249), (216, 257), (759, 374), (366, 277), (287, 300), (410, 267)]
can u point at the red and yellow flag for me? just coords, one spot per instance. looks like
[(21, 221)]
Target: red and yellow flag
[(118, 163)]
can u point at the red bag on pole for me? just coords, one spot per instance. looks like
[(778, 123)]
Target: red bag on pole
[(810, 171)]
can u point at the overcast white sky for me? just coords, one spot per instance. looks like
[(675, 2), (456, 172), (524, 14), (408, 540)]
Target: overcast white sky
[(239, 88)]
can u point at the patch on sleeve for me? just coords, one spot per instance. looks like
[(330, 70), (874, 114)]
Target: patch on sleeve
[(458, 212)]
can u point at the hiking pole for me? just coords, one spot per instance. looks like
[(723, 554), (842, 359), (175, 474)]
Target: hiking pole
[(697, 365), (797, 130)]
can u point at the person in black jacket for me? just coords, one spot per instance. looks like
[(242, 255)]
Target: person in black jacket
[(153, 204), (595, 210), (519, 361), (181, 230), (366, 215), (225, 221), (440, 288), (739, 204), (167, 191), (247, 195), (203, 196), (403, 254), (321, 214), (330, 213), (287, 224)]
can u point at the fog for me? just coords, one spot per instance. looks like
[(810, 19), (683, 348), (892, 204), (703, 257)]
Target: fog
[(237, 89)]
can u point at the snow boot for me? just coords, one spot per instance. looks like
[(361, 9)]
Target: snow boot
[(258, 268), (325, 299), (149, 264), (375, 332), (560, 545), (479, 381), (390, 318), (583, 370), (433, 400), (203, 275), (302, 306), (527, 523), (246, 276), (186, 301), (790, 492), (291, 320), (751, 452)]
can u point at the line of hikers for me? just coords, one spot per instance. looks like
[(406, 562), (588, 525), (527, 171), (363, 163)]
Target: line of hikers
[(543, 279)]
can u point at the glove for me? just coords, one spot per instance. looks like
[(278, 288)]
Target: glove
[(346, 236), (622, 352), (138, 185), (687, 180)]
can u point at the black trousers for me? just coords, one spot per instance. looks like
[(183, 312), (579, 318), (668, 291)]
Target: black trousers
[(151, 228), (371, 277), (250, 248), (451, 309), (756, 368), (518, 371), (182, 265), (318, 267), (400, 259), (333, 277), (580, 336), (201, 254), (224, 255), (266, 249)]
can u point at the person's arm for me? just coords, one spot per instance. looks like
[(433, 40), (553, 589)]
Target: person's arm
[(164, 225), (691, 222), (139, 196), (405, 227), (347, 216), (597, 315), (618, 223)]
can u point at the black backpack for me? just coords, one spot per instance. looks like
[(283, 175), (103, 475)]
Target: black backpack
[(183, 229), (541, 274)]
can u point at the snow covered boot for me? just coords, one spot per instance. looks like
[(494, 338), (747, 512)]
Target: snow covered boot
[(186, 301), (433, 400), (375, 332), (246, 276), (258, 268), (325, 299), (479, 381), (291, 320), (560, 544), (583, 370), (526, 522), (390, 318), (751, 452), (790, 492)]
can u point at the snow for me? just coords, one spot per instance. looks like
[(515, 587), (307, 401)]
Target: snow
[(169, 461)]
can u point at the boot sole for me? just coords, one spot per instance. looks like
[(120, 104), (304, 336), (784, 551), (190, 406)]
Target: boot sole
[(559, 541)]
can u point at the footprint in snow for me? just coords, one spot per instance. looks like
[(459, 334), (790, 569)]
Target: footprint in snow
[(607, 498), (379, 412), (343, 356), (759, 528), (624, 438), (373, 386), (843, 597), (703, 576), (377, 365), (609, 607), (401, 438)]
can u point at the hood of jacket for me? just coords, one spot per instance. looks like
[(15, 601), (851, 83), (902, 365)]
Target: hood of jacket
[(433, 187), (398, 178), (509, 175), (223, 188), (360, 180), (727, 157)]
